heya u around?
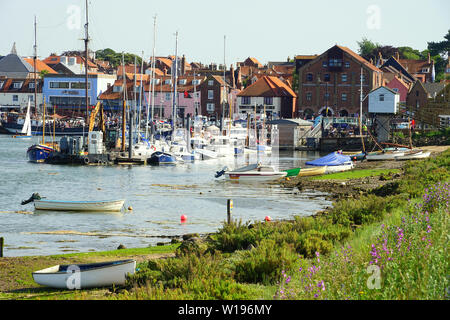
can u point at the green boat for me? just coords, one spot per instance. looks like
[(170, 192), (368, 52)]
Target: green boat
[(292, 172)]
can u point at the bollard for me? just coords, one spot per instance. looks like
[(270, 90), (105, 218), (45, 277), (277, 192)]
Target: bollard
[(1, 247), (229, 210)]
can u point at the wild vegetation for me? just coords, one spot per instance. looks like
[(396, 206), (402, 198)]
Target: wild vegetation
[(384, 245)]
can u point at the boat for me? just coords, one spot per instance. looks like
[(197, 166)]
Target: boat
[(83, 276), (384, 155), (292, 172), (38, 153), (358, 157), (335, 162), (254, 172), (313, 171), (158, 158), (26, 129), (414, 155), (97, 206)]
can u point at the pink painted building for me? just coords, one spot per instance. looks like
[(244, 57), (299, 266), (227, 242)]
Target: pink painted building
[(399, 86)]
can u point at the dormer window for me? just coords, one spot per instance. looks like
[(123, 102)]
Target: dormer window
[(31, 85), (196, 82), (1, 84), (17, 85), (117, 89), (425, 70), (168, 81), (182, 81)]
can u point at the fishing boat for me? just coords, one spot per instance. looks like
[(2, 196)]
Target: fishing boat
[(159, 158), (83, 276), (415, 155), (25, 133), (314, 171), (39, 152), (97, 206), (254, 172)]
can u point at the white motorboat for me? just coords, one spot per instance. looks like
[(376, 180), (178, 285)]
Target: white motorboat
[(98, 206), (252, 173), (82, 276), (340, 168), (380, 156)]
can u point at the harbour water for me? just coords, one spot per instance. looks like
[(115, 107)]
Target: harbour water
[(157, 195)]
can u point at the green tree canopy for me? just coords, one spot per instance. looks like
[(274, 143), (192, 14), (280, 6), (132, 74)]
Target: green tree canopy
[(115, 58)]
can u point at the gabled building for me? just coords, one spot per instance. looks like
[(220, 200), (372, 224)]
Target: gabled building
[(384, 100), (330, 83), (214, 93), (270, 94), (15, 93), (399, 86)]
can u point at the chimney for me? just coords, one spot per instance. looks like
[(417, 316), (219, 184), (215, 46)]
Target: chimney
[(429, 58), (183, 65), (165, 71), (233, 80), (397, 56)]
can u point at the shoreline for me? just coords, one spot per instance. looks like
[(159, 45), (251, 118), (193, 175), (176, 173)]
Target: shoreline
[(15, 272)]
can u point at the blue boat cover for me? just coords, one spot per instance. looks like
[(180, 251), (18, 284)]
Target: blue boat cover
[(333, 159)]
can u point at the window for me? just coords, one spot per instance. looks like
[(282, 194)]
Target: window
[(210, 107), (117, 89), (268, 100), (362, 78), (425, 70), (344, 97), (31, 98), (31, 85), (326, 77), (324, 64), (168, 81), (210, 94), (347, 64), (335, 63), (210, 83), (308, 96), (246, 100), (196, 82), (79, 85), (309, 77), (417, 93), (344, 77), (395, 89), (1, 84), (15, 98), (168, 96), (59, 85), (182, 81), (327, 96), (381, 96), (17, 85)]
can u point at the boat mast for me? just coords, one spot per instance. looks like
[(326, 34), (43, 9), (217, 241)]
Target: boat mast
[(34, 66), (141, 90), (360, 110), (153, 71), (86, 41), (174, 76), (224, 88), (124, 103)]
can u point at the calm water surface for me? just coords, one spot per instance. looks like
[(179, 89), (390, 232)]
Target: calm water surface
[(158, 196)]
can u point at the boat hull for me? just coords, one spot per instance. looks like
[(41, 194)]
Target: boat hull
[(84, 276), (384, 156), (420, 155), (161, 158), (254, 176), (38, 153), (90, 206), (309, 172), (341, 168)]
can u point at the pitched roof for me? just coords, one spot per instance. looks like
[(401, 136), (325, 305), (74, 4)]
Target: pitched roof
[(40, 66), (13, 63), (268, 87), (415, 66), (359, 58)]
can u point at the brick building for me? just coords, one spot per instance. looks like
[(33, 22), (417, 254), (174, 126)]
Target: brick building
[(331, 82)]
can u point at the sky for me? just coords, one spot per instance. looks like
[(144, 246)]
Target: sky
[(265, 29)]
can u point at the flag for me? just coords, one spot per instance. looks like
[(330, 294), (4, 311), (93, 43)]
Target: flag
[(186, 94)]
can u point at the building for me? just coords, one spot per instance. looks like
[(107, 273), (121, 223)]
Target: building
[(330, 84), (15, 93), (270, 94), (384, 100), (70, 65), (398, 85), (67, 92), (214, 93)]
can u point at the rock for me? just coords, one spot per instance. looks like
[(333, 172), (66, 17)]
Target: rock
[(121, 247), (192, 245), (190, 236), (160, 244)]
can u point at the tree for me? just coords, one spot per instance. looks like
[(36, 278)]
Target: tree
[(368, 48), (115, 58), (439, 53)]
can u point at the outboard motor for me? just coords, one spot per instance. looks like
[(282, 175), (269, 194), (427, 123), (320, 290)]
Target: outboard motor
[(35, 196), (221, 173)]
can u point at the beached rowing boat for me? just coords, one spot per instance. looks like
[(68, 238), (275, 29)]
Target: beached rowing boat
[(82, 276), (414, 155), (101, 206), (314, 171)]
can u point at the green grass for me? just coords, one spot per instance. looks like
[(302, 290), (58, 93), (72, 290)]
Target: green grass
[(356, 174)]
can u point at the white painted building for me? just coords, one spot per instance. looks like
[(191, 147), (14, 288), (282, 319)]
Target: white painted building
[(271, 104), (384, 100)]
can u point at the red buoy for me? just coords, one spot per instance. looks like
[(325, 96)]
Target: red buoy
[(268, 218), (183, 218)]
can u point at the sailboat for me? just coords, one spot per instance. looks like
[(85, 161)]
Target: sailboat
[(26, 129)]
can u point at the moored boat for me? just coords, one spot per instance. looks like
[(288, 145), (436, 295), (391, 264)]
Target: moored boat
[(161, 158), (384, 155), (292, 172), (414, 155), (82, 276), (252, 173), (39, 152)]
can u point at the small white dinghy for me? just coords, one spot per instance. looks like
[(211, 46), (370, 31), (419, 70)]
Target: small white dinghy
[(252, 173), (414, 155), (82, 276), (98, 206)]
